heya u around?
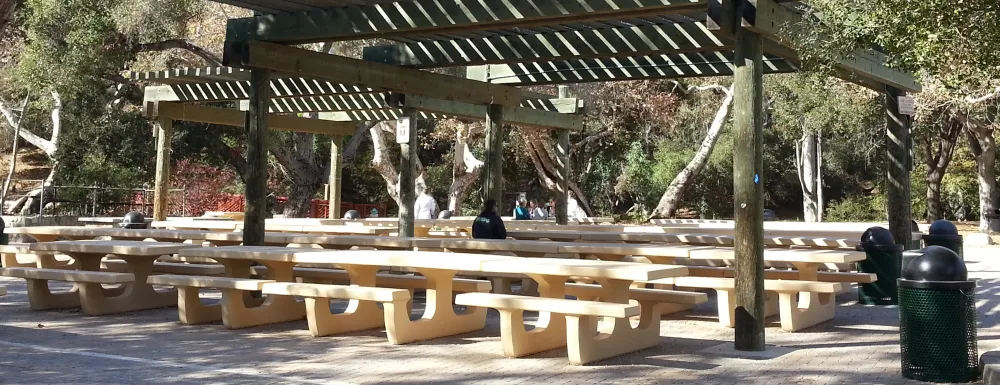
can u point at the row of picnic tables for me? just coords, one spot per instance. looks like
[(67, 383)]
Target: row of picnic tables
[(609, 264)]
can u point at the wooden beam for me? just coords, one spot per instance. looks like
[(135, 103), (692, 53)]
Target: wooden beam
[(256, 179), (421, 17), (493, 171), (748, 190), (383, 76), (336, 165), (378, 102), (240, 90), (897, 147), (512, 115), (408, 172), (625, 68), (563, 170), (161, 189), (779, 25), (237, 118), (641, 40)]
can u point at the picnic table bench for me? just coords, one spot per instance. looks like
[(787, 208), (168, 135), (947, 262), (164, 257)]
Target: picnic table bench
[(135, 294)]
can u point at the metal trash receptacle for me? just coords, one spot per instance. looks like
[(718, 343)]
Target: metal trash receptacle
[(944, 233), (937, 319), (884, 259)]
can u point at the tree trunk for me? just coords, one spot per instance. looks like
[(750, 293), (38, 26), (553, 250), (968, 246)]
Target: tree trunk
[(805, 159), (465, 171), (384, 165), (542, 157), (56, 130), (985, 151), (819, 178), (670, 200), (13, 152), (938, 151)]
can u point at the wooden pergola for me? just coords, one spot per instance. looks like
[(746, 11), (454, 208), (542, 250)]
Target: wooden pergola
[(506, 44)]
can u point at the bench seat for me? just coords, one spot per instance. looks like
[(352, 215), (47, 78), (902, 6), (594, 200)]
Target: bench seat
[(823, 276), (169, 268), (570, 323), (3, 291), (800, 304), (191, 311), (552, 305), (68, 275), (208, 282), (322, 322), (397, 281)]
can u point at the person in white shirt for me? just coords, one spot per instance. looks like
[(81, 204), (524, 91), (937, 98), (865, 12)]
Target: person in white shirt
[(537, 212), (573, 209), (425, 207)]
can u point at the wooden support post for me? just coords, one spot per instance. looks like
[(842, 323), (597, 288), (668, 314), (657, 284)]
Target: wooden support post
[(897, 144), (748, 191), (562, 161), (407, 172), (493, 173), (256, 183), (336, 164), (164, 131)]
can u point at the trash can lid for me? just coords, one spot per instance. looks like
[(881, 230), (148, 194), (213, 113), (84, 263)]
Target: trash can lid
[(352, 214), (133, 218), (878, 235), (444, 214), (936, 263), (943, 227)]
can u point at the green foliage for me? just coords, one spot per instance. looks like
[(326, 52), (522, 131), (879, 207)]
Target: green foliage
[(109, 151), (857, 208)]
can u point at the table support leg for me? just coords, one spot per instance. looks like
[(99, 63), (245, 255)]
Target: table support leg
[(585, 344), (238, 314), (41, 297), (802, 310), (439, 319), (360, 315), (136, 295), (192, 311)]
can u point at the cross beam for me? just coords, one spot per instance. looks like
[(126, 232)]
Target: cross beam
[(237, 90), (643, 40), (237, 118), (313, 64), (378, 102), (416, 17), (612, 69), (517, 116), (865, 67)]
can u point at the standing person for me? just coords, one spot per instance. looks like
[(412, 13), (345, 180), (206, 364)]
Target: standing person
[(537, 212), (573, 209), (488, 224), (425, 206), (521, 211)]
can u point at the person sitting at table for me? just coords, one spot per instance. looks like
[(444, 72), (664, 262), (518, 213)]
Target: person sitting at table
[(573, 209), (521, 211), (537, 212), (488, 224)]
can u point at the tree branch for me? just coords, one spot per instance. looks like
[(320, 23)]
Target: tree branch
[(183, 44), (990, 96)]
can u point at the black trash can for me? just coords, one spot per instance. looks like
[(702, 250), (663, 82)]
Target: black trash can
[(937, 319), (885, 261), (944, 233), (134, 220)]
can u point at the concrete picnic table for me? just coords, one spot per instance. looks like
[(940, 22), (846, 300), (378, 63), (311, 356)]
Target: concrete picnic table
[(188, 224), (93, 298), (331, 229), (587, 342), (439, 318), (48, 233), (686, 238)]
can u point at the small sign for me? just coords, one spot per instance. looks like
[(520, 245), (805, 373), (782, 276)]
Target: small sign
[(403, 130), (907, 106)]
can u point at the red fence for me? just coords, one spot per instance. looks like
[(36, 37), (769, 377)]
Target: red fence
[(319, 208)]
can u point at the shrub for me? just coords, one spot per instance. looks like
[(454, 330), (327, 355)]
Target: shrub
[(857, 208)]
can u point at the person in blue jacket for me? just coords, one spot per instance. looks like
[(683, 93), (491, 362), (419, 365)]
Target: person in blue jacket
[(488, 224), (521, 211)]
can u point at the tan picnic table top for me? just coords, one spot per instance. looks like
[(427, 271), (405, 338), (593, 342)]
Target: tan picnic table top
[(781, 255), (585, 268), (331, 229), (133, 248), (388, 258), (489, 245), (191, 224), (351, 240)]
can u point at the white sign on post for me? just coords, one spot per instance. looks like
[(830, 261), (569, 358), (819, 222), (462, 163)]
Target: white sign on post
[(907, 106), (403, 130)]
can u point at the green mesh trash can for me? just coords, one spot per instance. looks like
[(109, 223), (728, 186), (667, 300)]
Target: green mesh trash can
[(937, 319), (944, 233), (884, 259)]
